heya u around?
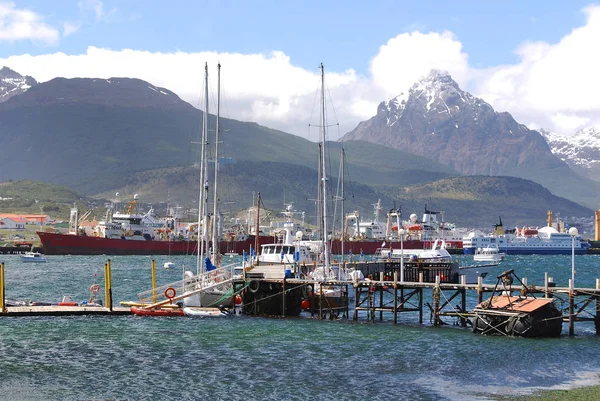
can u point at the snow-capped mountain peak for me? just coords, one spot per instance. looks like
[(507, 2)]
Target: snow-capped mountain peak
[(580, 151), (436, 93), (12, 83)]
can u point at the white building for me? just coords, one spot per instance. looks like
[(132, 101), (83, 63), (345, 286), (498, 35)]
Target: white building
[(12, 223)]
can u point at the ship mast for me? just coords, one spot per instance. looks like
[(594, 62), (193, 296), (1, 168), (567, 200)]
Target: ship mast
[(203, 185), (215, 242), (325, 242)]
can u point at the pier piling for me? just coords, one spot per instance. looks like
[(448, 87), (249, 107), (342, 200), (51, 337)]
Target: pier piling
[(2, 289)]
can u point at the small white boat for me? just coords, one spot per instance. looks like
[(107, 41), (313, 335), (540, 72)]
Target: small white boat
[(490, 253), (33, 257), (199, 311), (231, 254), (472, 273), (169, 265)]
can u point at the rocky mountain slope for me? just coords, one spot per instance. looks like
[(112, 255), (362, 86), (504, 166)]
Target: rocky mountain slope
[(438, 120), (580, 151), (102, 135), (12, 83)]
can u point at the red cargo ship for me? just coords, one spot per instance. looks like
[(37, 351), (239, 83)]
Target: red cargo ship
[(70, 244)]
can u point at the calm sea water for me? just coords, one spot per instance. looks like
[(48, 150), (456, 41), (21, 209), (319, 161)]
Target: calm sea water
[(134, 358)]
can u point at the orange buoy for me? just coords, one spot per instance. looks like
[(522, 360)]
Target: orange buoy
[(238, 299), (305, 304)]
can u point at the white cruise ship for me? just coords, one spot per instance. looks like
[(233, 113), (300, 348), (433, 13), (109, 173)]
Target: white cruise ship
[(545, 241)]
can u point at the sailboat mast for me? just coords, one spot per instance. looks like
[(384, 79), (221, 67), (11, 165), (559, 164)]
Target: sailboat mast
[(201, 208), (323, 172), (343, 216), (215, 242)]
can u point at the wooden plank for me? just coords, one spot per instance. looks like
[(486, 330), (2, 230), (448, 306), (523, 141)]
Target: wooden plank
[(54, 310)]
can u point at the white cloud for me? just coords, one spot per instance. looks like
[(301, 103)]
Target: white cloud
[(23, 24), (70, 28), (553, 85), (569, 123), (556, 84), (409, 56), (267, 89), (97, 7)]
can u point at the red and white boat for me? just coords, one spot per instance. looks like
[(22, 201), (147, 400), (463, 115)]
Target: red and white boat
[(134, 233)]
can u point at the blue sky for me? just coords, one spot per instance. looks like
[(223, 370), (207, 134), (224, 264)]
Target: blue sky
[(372, 51)]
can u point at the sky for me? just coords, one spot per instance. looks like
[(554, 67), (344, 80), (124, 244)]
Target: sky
[(538, 60)]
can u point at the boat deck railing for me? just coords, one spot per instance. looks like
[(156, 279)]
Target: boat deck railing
[(216, 279)]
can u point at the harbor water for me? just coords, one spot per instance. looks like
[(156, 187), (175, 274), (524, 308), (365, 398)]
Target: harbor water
[(135, 358)]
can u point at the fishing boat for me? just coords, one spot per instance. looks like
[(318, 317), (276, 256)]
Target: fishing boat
[(490, 253), (33, 257), (522, 315), (131, 232), (472, 273), (432, 262)]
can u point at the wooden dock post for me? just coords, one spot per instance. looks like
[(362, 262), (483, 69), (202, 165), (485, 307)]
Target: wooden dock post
[(463, 300), (571, 309), (356, 301), (436, 301), (380, 296), (479, 290), (110, 298), (106, 285), (321, 302), (154, 281), (283, 297), (597, 315), (2, 289), (395, 296)]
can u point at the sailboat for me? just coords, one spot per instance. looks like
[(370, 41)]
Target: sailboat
[(330, 297), (213, 301)]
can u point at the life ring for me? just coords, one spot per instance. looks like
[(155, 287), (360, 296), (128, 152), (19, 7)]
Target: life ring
[(253, 286), (170, 292), (95, 288)]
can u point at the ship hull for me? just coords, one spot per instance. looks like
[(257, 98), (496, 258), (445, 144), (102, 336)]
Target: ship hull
[(533, 251), (67, 244)]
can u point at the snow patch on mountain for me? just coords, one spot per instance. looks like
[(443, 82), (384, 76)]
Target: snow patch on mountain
[(12, 83), (581, 150)]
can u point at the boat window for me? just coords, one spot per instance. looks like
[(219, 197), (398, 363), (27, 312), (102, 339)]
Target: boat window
[(278, 249), (286, 250)]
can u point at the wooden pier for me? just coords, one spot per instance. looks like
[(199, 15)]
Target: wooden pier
[(373, 298)]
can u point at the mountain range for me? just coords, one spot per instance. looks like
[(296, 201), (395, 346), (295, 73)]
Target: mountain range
[(438, 120), (100, 136), (580, 151)]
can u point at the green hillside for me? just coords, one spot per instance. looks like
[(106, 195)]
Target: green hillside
[(37, 197)]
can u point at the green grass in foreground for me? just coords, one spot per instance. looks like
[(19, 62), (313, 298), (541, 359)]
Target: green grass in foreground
[(591, 393)]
